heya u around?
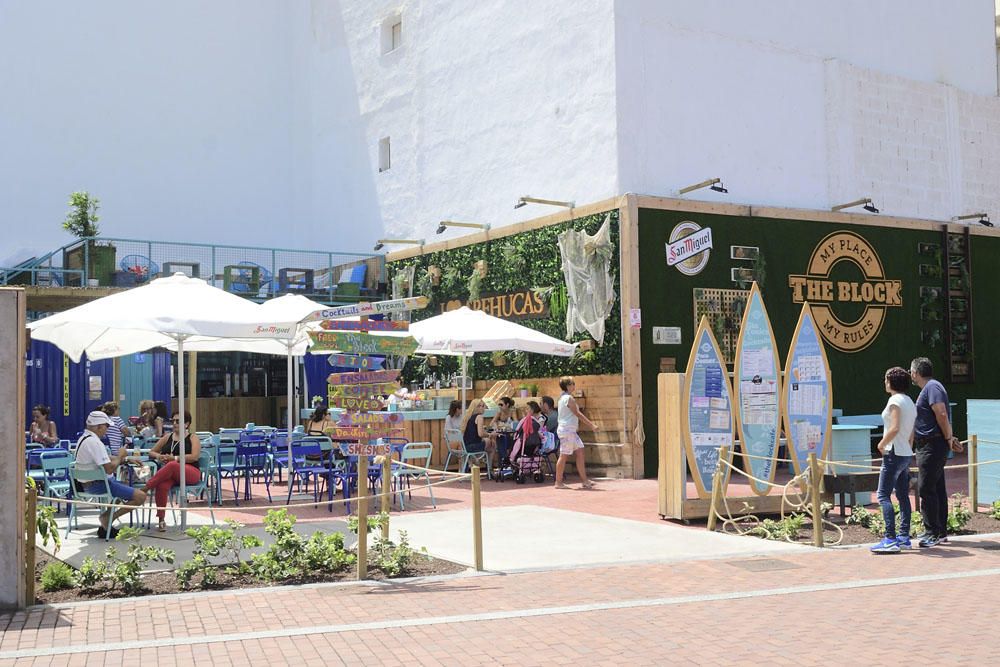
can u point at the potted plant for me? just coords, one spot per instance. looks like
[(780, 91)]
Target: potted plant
[(523, 391), (81, 221), (499, 358), (533, 389), (432, 361), (317, 401)]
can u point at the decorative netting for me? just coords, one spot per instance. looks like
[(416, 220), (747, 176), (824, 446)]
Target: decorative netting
[(586, 265)]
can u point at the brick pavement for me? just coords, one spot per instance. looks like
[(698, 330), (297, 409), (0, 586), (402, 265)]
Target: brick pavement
[(843, 603)]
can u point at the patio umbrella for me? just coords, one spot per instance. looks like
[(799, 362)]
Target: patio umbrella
[(166, 312), (463, 332)]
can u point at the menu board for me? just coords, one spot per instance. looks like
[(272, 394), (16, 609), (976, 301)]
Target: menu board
[(757, 389), (808, 393), (706, 409)]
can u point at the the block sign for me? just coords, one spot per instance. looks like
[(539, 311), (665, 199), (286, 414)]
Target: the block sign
[(847, 333), (362, 343)]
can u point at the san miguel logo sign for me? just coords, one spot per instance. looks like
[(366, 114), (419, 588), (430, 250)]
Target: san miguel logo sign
[(836, 303)]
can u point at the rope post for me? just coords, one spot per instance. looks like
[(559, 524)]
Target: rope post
[(362, 515), (477, 520), (717, 486), (973, 473), (386, 478), (31, 528), (814, 496)]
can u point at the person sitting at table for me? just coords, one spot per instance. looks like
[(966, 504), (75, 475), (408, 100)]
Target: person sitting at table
[(118, 431), (453, 425), (319, 421), (150, 426), (551, 416), (475, 437), (43, 431), (91, 454), (166, 452), (505, 419)]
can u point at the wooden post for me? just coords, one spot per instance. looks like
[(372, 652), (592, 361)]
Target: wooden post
[(477, 520), (31, 528), (815, 477), (386, 479), (973, 472), (12, 410), (363, 515), (717, 486)]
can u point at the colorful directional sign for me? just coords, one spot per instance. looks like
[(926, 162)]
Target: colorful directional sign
[(375, 308), (355, 403), (363, 418), (365, 325), (361, 432), (363, 449), (361, 343), (362, 390), (356, 361), (363, 377)]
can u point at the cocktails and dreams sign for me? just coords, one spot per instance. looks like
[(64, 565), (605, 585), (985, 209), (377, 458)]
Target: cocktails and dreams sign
[(835, 291)]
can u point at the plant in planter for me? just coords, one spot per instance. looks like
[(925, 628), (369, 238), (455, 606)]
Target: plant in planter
[(533, 389), (522, 390), (81, 221), (317, 401), (499, 358)]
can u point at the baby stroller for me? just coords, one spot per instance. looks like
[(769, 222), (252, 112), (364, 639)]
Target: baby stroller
[(526, 456)]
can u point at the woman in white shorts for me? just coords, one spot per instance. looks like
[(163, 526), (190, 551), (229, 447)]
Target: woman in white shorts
[(569, 441)]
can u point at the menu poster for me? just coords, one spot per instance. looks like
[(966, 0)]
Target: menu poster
[(807, 393), (706, 408), (757, 388)]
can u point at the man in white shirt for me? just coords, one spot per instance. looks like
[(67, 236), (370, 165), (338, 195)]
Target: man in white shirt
[(91, 454)]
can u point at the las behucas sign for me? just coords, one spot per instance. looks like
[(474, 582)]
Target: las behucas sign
[(521, 305), (834, 299)]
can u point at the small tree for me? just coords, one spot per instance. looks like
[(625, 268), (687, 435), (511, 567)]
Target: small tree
[(81, 219)]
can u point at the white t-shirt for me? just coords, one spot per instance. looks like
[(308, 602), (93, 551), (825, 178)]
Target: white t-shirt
[(91, 454), (900, 446), (568, 421)]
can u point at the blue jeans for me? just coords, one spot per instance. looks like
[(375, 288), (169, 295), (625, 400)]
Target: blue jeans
[(895, 476)]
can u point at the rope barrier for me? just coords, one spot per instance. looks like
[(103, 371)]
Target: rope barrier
[(762, 458)]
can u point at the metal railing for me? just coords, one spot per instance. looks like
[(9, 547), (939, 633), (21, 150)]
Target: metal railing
[(253, 272)]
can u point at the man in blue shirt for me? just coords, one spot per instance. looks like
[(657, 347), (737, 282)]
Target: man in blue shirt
[(932, 437)]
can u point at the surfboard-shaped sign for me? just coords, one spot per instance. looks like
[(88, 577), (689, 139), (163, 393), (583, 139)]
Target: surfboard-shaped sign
[(706, 408), (807, 393), (757, 391)]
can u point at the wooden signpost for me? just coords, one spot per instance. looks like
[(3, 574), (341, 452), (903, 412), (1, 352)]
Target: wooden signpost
[(355, 403), (362, 343), (365, 325), (362, 390), (374, 308), (354, 433), (370, 418), (363, 377), (356, 361), (366, 450)]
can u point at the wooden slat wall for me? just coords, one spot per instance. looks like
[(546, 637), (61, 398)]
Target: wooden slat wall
[(216, 413)]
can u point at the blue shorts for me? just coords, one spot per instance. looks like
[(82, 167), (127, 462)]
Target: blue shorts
[(118, 490)]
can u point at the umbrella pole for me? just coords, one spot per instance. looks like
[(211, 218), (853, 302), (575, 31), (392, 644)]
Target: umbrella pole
[(182, 501), (465, 363), (291, 414)]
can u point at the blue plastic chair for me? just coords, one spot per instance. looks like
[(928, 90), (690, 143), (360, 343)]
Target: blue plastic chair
[(418, 454), (304, 470), (83, 478), (205, 464), (56, 465), (147, 268), (251, 462)]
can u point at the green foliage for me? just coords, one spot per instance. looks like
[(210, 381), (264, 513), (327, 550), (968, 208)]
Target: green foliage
[(540, 272), (475, 285), (875, 524), (58, 576), (959, 514), (394, 559), (45, 518), (124, 574), (215, 542), (995, 510), (292, 556), (375, 522), (81, 219), (780, 529)]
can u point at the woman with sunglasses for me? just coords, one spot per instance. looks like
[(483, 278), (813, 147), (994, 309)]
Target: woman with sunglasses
[(167, 452)]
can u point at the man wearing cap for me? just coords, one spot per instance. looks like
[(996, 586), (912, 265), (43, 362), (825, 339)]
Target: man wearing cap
[(91, 454)]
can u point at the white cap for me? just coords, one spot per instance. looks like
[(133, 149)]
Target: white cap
[(96, 418)]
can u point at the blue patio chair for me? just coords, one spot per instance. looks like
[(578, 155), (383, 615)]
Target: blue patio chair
[(206, 461), (418, 454), (33, 458), (141, 266), (465, 457), (307, 465), (82, 478), (56, 465), (251, 463)]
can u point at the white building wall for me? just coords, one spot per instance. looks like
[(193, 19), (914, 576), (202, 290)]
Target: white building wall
[(483, 103)]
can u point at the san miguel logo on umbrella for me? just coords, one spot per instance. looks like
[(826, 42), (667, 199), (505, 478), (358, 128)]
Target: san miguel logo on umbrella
[(872, 295), (362, 343)]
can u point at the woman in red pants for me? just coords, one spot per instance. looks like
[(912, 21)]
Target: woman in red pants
[(167, 451)]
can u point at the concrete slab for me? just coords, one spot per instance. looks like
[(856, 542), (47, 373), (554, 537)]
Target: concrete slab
[(530, 537)]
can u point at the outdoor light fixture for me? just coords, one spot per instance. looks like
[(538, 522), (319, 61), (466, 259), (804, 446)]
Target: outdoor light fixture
[(527, 199), (712, 183), (445, 224), (866, 202), (381, 242), (984, 218)]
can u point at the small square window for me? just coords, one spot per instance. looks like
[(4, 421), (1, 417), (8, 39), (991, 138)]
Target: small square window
[(391, 34), (384, 156), (397, 35)]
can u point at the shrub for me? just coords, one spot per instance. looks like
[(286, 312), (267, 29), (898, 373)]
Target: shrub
[(394, 559), (995, 510), (875, 524), (291, 556), (57, 576), (123, 574), (959, 514), (780, 529), (213, 542)]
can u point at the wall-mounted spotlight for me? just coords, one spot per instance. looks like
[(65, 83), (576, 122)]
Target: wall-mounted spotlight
[(983, 218), (382, 242), (527, 199), (866, 202), (712, 183), (445, 224)]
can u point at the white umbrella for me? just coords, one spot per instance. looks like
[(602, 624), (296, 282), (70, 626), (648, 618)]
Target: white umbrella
[(166, 312), (463, 332)]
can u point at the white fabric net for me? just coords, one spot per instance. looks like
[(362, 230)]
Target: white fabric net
[(586, 265)]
